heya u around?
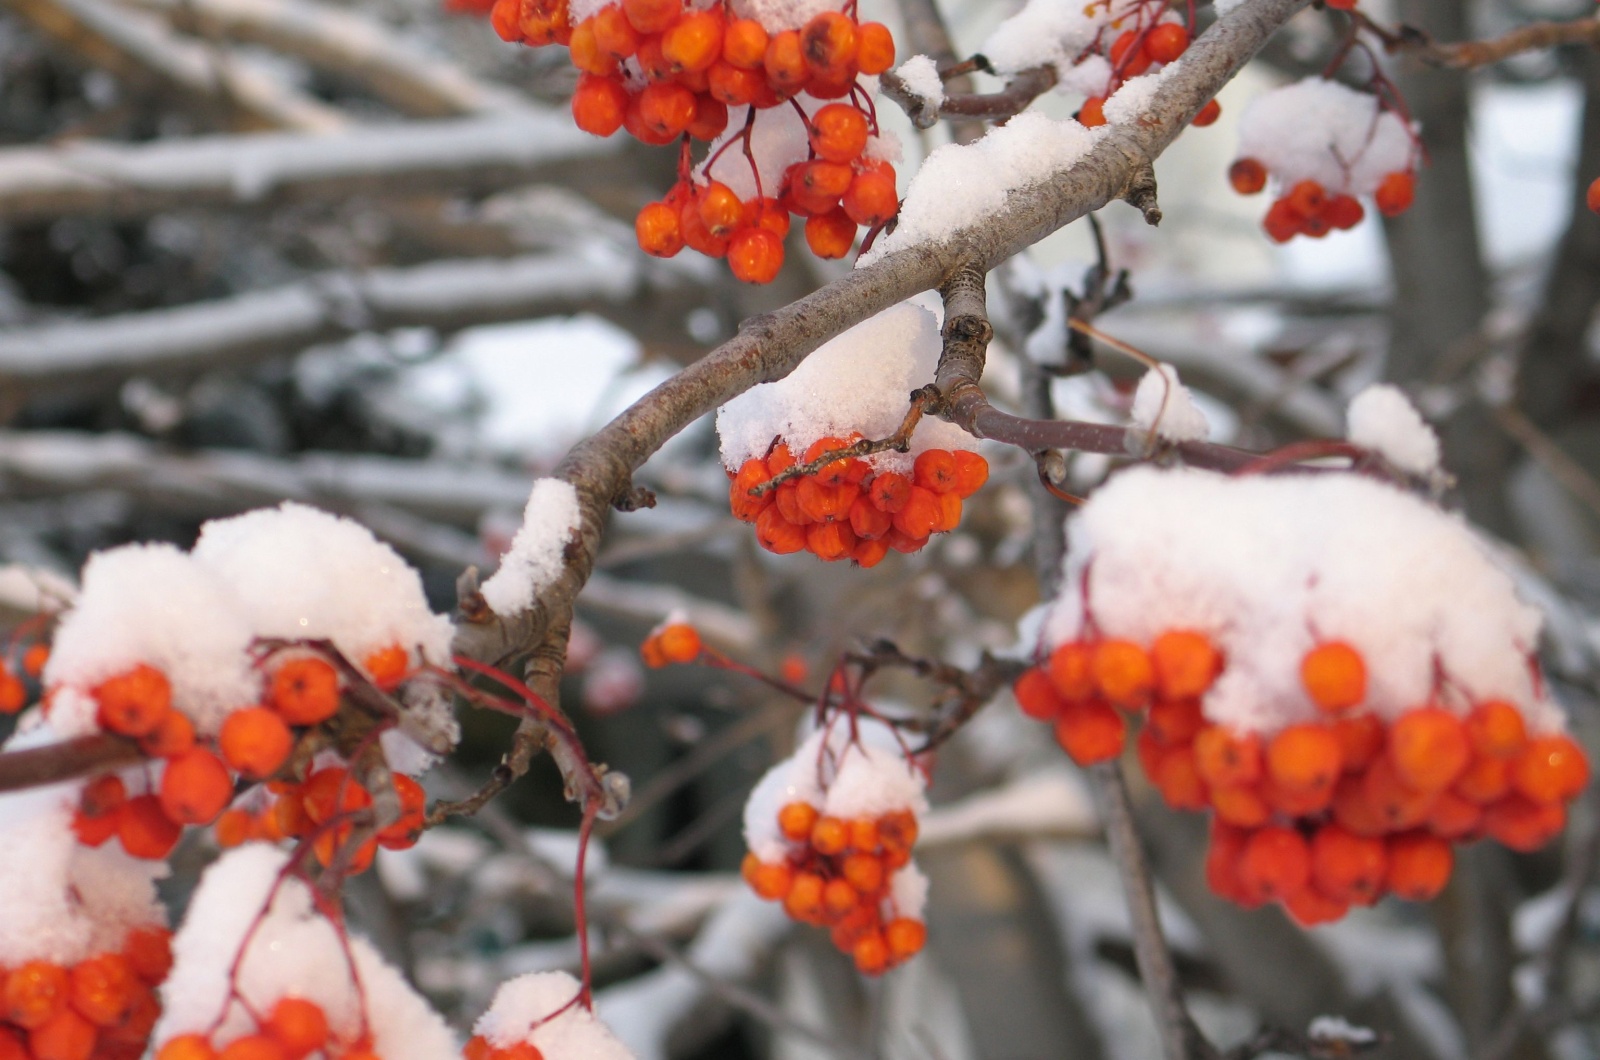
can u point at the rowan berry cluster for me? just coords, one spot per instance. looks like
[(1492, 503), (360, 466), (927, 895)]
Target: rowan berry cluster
[(1157, 37), (667, 69), (848, 510), (293, 1029), (321, 808), (1323, 814), (1326, 145), (830, 832), (102, 1007)]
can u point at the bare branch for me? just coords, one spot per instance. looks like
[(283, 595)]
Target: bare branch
[(1016, 97), (66, 760), (1469, 55)]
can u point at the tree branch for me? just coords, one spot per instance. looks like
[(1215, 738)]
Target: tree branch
[(1469, 55)]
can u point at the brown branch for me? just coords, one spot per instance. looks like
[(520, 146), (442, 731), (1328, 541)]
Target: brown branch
[(899, 442), (1016, 97), (1469, 55), (67, 760)]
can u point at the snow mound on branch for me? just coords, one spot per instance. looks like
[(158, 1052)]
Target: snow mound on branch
[(1165, 407), (1137, 96), (1267, 567), (537, 554), (155, 605), (865, 775), (922, 80), (64, 901), (960, 183), (777, 15), (304, 574), (1382, 418), (1324, 131), (1050, 33), (246, 897), (521, 1013), (860, 381)]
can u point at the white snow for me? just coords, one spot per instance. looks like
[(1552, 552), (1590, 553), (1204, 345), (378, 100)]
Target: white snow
[(537, 554), (1329, 1029), (1226, 7), (155, 605), (520, 1006), (1165, 406), (1322, 130), (960, 182), (1050, 32), (34, 589), (860, 381), (292, 952), (922, 80), (305, 574), (1268, 566), (1137, 95), (1383, 419)]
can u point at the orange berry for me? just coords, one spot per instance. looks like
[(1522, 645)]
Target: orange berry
[(387, 667), (1241, 805), (905, 938), (785, 63), (1455, 818), (830, 541), (864, 836), (828, 43), (1185, 663), (1419, 865), (898, 830), (134, 1029), (103, 795), (600, 104), (1123, 672), (1275, 863), (871, 954), (1127, 58), (298, 1025), (652, 16), (804, 900), (874, 48), (776, 534), (133, 703), (694, 41), (1226, 758), (1296, 802), (864, 872), (1174, 721), (583, 50), (65, 1036), (614, 35), (920, 514), (1361, 739), (330, 792), (1166, 42), (1522, 824), (305, 691), (935, 471), (34, 658), (972, 471), (889, 492), (830, 235), (1396, 193), (839, 132), (1281, 223), (1091, 732), (1179, 781), (253, 1047), (1093, 112), (755, 255), (796, 820), (752, 473), (255, 742), (1310, 907), (1304, 758), (1306, 198), (1395, 802), (195, 787), (1344, 212), (658, 231), (1334, 674), (102, 989), (680, 643), (1348, 867), (334, 847), (1484, 781), (1071, 670), (1222, 864), (403, 833), (830, 835), (1592, 196), (732, 86), (34, 993), (149, 951), (1496, 730), (1208, 114), (1550, 769), (13, 693), (839, 898), (768, 880), (1428, 748), (171, 738), (187, 1047), (666, 109), (1037, 696), (145, 829), (744, 43), (867, 521)]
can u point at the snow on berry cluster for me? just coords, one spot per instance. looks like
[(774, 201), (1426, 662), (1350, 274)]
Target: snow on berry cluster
[(540, 1015), (853, 508), (774, 86), (83, 939), (260, 970), (830, 831), (222, 661), (1324, 145), (1335, 669)]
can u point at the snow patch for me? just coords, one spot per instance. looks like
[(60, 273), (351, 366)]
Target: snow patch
[(922, 80), (1167, 408), (1382, 418), (523, 1011), (538, 551)]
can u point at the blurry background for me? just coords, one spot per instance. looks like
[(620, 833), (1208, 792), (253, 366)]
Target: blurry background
[(352, 252)]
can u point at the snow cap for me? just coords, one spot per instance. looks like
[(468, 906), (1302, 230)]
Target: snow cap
[(1382, 418), (538, 551), (521, 1012)]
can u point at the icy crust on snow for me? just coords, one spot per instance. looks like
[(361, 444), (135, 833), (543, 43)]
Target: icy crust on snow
[(842, 777), (960, 183), (1267, 567), (778, 139), (1324, 131), (292, 952), (1049, 32), (156, 605), (527, 1000), (1165, 406), (304, 574), (1383, 419), (536, 557), (859, 381), (65, 901), (922, 80)]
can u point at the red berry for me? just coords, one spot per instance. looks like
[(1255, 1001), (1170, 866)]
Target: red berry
[(1166, 42), (755, 255), (1396, 193), (599, 104), (1248, 176)]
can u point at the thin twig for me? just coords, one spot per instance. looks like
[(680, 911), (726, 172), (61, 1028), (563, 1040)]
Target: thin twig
[(1468, 55)]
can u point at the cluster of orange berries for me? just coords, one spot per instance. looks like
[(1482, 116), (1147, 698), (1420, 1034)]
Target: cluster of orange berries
[(674, 643), (837, 876), (478, 1048), (294, 1029), (102, 1007), (1309, 209), (846, 510), (319, 808), (1132, 53), (1323, 814), (662, 69), (13, 687), (197, 781)]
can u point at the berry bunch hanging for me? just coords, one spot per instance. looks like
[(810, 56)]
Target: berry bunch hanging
[(1348, 689), (830, 831), (102, 1006), (775, 89)]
